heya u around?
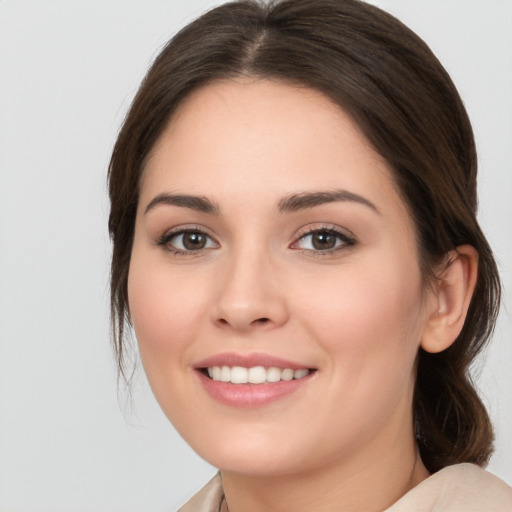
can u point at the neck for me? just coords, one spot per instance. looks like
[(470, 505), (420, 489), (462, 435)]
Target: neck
[(369, 482)]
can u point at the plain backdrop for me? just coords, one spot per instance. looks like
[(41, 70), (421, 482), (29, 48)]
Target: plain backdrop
[(68, 71)]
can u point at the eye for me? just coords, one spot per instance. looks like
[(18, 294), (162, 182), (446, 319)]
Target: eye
[(187, 241), (324, 240)]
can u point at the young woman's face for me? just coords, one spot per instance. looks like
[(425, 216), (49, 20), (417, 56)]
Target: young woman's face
[(271, 243)]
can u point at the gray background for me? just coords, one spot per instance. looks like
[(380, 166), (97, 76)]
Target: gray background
[(68, 70)]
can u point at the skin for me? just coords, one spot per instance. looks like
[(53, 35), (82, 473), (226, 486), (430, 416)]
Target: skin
[(358, 314)]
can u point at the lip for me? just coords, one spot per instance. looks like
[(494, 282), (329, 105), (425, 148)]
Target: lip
[(250, 395), (248, 361)]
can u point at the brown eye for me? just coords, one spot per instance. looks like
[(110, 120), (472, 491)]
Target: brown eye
[(194, 241), (187, 241), (323, 240)]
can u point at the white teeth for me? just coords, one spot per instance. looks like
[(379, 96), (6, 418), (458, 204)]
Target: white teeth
[(255, 374), (239, 375), (273, 374), (298, 374), (225, 374), (287, 374)]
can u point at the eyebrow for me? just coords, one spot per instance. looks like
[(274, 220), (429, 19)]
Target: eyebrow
[(198, 203), (306, 200), (292, 203)]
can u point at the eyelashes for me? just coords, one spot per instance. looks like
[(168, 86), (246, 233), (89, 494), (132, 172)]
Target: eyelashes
[(324, 240), (316, 241), (188, 241)]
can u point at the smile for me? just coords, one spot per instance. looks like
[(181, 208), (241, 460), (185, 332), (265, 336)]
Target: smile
[(254, 375), (252, 380)]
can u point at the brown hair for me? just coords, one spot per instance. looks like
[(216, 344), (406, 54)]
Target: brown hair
[(399, 94)]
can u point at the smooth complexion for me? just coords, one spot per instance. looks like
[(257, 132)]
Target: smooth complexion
[(269, 232)]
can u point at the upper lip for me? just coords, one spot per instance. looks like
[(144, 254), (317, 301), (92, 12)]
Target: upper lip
[(248, 361)]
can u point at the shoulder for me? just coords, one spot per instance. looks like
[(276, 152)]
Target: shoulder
[(208, 499), (460, 487)]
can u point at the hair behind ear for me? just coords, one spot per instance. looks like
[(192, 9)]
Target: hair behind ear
[(452, 424)]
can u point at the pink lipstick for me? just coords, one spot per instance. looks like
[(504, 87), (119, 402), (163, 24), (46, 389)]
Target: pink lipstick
[(251, 380)]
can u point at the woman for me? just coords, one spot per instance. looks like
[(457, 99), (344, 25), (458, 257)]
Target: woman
[(293, 199)]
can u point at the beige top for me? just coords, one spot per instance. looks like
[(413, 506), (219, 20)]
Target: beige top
[(459, 488)]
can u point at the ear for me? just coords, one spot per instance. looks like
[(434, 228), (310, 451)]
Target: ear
[(451, 298)]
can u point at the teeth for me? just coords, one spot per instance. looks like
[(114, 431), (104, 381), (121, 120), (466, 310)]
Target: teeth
[(257, 375), (273, 374), (216, 372), (254, 375), (238, 375), (287, 374), (225, 374), (298, 374)]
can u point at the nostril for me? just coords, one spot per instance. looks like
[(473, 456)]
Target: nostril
[(261, 321), (243, 325)]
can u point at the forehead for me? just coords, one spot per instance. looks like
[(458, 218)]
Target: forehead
[(260, 136)]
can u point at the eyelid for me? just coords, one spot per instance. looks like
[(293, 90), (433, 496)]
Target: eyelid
[(324, 226), (168, 235), (346, 236)]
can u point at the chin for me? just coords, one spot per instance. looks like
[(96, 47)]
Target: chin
[(249, 450), (254, 464)]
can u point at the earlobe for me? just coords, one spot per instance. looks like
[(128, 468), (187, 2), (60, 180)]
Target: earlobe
[(452, 297)]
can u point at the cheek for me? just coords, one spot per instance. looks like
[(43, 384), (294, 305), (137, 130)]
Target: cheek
[(370, 321), (369, 328), (163, 312)]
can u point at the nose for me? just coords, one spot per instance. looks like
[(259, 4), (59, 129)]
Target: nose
[(251, 295)]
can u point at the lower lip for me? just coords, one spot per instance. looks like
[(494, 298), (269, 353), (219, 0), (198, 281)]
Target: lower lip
[(251, 395)]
